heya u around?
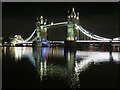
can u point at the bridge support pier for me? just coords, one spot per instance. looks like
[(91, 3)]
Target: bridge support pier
[(37, 44), (70, 44)]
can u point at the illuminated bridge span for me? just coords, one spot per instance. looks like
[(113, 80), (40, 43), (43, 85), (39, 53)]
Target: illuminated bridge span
[(75, 32), (55, 24)]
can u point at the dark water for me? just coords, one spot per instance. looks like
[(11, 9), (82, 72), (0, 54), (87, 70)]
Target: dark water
[(56, 67)]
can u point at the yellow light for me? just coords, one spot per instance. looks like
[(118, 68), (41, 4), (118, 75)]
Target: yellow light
[(77, 18), (4, 50), (68, 56)]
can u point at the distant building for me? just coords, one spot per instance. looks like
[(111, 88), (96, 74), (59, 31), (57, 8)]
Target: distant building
[(17, 39)]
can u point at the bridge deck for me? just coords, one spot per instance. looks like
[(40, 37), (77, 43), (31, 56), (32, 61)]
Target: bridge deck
[(96, 41)]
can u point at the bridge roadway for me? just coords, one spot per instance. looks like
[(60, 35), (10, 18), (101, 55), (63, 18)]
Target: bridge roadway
[(95, 41), (77, 41), (91, 41)]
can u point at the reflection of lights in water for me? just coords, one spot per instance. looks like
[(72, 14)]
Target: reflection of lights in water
[(95, 57), (28, 52), (44, 51), (68, 56), (56, 52), (24, 52), (1, 53), (46, 56), (116, 48), (77, 74), (18, 52), (116, 56), (41, 71), (45, 68), (63, 51), (4, 51), (70, 62), (31, 57)]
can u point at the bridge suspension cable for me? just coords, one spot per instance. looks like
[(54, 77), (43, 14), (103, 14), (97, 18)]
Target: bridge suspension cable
[(89, 34), (27, 40), (30, 36)]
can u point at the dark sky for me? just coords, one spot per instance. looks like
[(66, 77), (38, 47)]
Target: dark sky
[(99, 18)]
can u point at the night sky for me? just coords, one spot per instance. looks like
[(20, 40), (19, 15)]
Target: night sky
[(99, 18)]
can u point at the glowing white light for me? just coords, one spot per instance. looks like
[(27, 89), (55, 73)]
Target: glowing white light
[(118, 38), (45, 68), (18, 52), (116, 41), (24, 52), (95, 57), (92, 41), (116, 56), (41, 70), (51, 23), (41, 27), (68, 16)]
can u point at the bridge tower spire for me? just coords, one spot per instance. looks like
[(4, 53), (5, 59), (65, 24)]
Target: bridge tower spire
[(72, 33), (41, 20), (77, 16), (73, 14)]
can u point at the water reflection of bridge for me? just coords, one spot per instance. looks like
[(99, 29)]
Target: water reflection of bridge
[(65, 61)]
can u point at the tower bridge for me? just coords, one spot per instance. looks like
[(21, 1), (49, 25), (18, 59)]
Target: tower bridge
[(75, 32)]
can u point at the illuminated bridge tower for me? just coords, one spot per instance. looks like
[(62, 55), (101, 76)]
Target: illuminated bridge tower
[(38, 38), (41, 29), (72, 33)]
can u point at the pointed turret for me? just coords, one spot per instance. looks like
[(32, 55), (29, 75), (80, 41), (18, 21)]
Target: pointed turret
[(37, 19), (41, 20), (78, 16), (68, 14), (45, 22), (37, 22), (73, 15)]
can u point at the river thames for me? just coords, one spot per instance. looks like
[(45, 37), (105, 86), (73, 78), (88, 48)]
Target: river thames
[(58, 67)]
